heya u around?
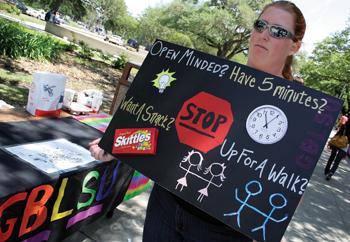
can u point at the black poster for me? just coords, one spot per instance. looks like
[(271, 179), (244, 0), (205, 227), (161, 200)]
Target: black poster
[(237, 143)]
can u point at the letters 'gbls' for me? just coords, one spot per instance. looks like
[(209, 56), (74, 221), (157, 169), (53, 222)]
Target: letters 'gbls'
[(10, 223), (204, 121), (35, 207)]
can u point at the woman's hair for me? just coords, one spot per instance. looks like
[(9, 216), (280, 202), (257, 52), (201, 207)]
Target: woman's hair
[(299, 30)]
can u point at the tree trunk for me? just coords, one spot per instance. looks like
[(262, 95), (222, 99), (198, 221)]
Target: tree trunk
[(224, 50), (55, 5)]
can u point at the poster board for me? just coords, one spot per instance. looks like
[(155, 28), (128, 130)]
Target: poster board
[(237, 143)]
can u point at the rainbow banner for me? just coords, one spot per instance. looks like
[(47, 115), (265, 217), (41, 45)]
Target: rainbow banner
[(139, 182), (98, 121)]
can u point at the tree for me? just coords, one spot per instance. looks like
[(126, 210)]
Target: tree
[(150, 27), (328, 68), (112, 13), (74, 8), (55, 5), (224, 26), (128, 26)]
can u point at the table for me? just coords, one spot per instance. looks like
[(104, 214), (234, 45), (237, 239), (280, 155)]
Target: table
[(19, 114), (39, 206), (99, 121)]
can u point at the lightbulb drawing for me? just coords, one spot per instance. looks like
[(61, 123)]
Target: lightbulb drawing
[(163, 80)]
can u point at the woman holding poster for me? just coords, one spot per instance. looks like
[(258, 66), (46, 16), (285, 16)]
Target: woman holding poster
[(275, 38)]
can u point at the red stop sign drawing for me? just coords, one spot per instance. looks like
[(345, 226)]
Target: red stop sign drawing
[(204, 121)]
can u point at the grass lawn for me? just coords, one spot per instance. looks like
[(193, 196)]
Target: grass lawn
[(9, 76), (25, 18), (12, 92), (82, 74), (92, 71), (14, 87)]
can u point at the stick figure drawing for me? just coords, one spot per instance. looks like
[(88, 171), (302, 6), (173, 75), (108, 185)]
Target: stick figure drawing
[(215, 170), (276, 200), (192, 164)]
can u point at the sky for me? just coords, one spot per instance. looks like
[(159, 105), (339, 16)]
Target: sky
[(323, 17)]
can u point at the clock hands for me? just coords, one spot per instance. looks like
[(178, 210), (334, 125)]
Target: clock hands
[(270, 120), (266, 124)]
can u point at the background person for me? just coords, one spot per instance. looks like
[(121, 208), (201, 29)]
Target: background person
[(275, 38), (343, 119), (337, 154)]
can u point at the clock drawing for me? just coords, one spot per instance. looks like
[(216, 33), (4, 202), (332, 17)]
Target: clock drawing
[(267, 124)]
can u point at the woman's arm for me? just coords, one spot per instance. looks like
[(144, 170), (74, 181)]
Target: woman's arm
[(98, 153)]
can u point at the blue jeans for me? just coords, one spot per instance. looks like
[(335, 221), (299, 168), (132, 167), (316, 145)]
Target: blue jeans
[(167, 221)]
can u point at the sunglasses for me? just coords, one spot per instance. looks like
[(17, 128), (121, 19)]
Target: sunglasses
[(275, 31)]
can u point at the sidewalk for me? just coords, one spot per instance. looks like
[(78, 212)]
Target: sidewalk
[(323, 214)]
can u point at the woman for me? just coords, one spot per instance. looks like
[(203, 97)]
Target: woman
[(276, 37), (337, 154)]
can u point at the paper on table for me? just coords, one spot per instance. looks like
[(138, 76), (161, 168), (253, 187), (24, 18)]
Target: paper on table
[(53, 155)]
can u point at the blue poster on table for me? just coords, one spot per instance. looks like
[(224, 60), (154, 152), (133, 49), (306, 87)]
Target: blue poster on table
[(237, 143)]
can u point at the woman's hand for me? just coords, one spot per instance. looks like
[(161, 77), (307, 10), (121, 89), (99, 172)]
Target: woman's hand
[(98, 153)]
